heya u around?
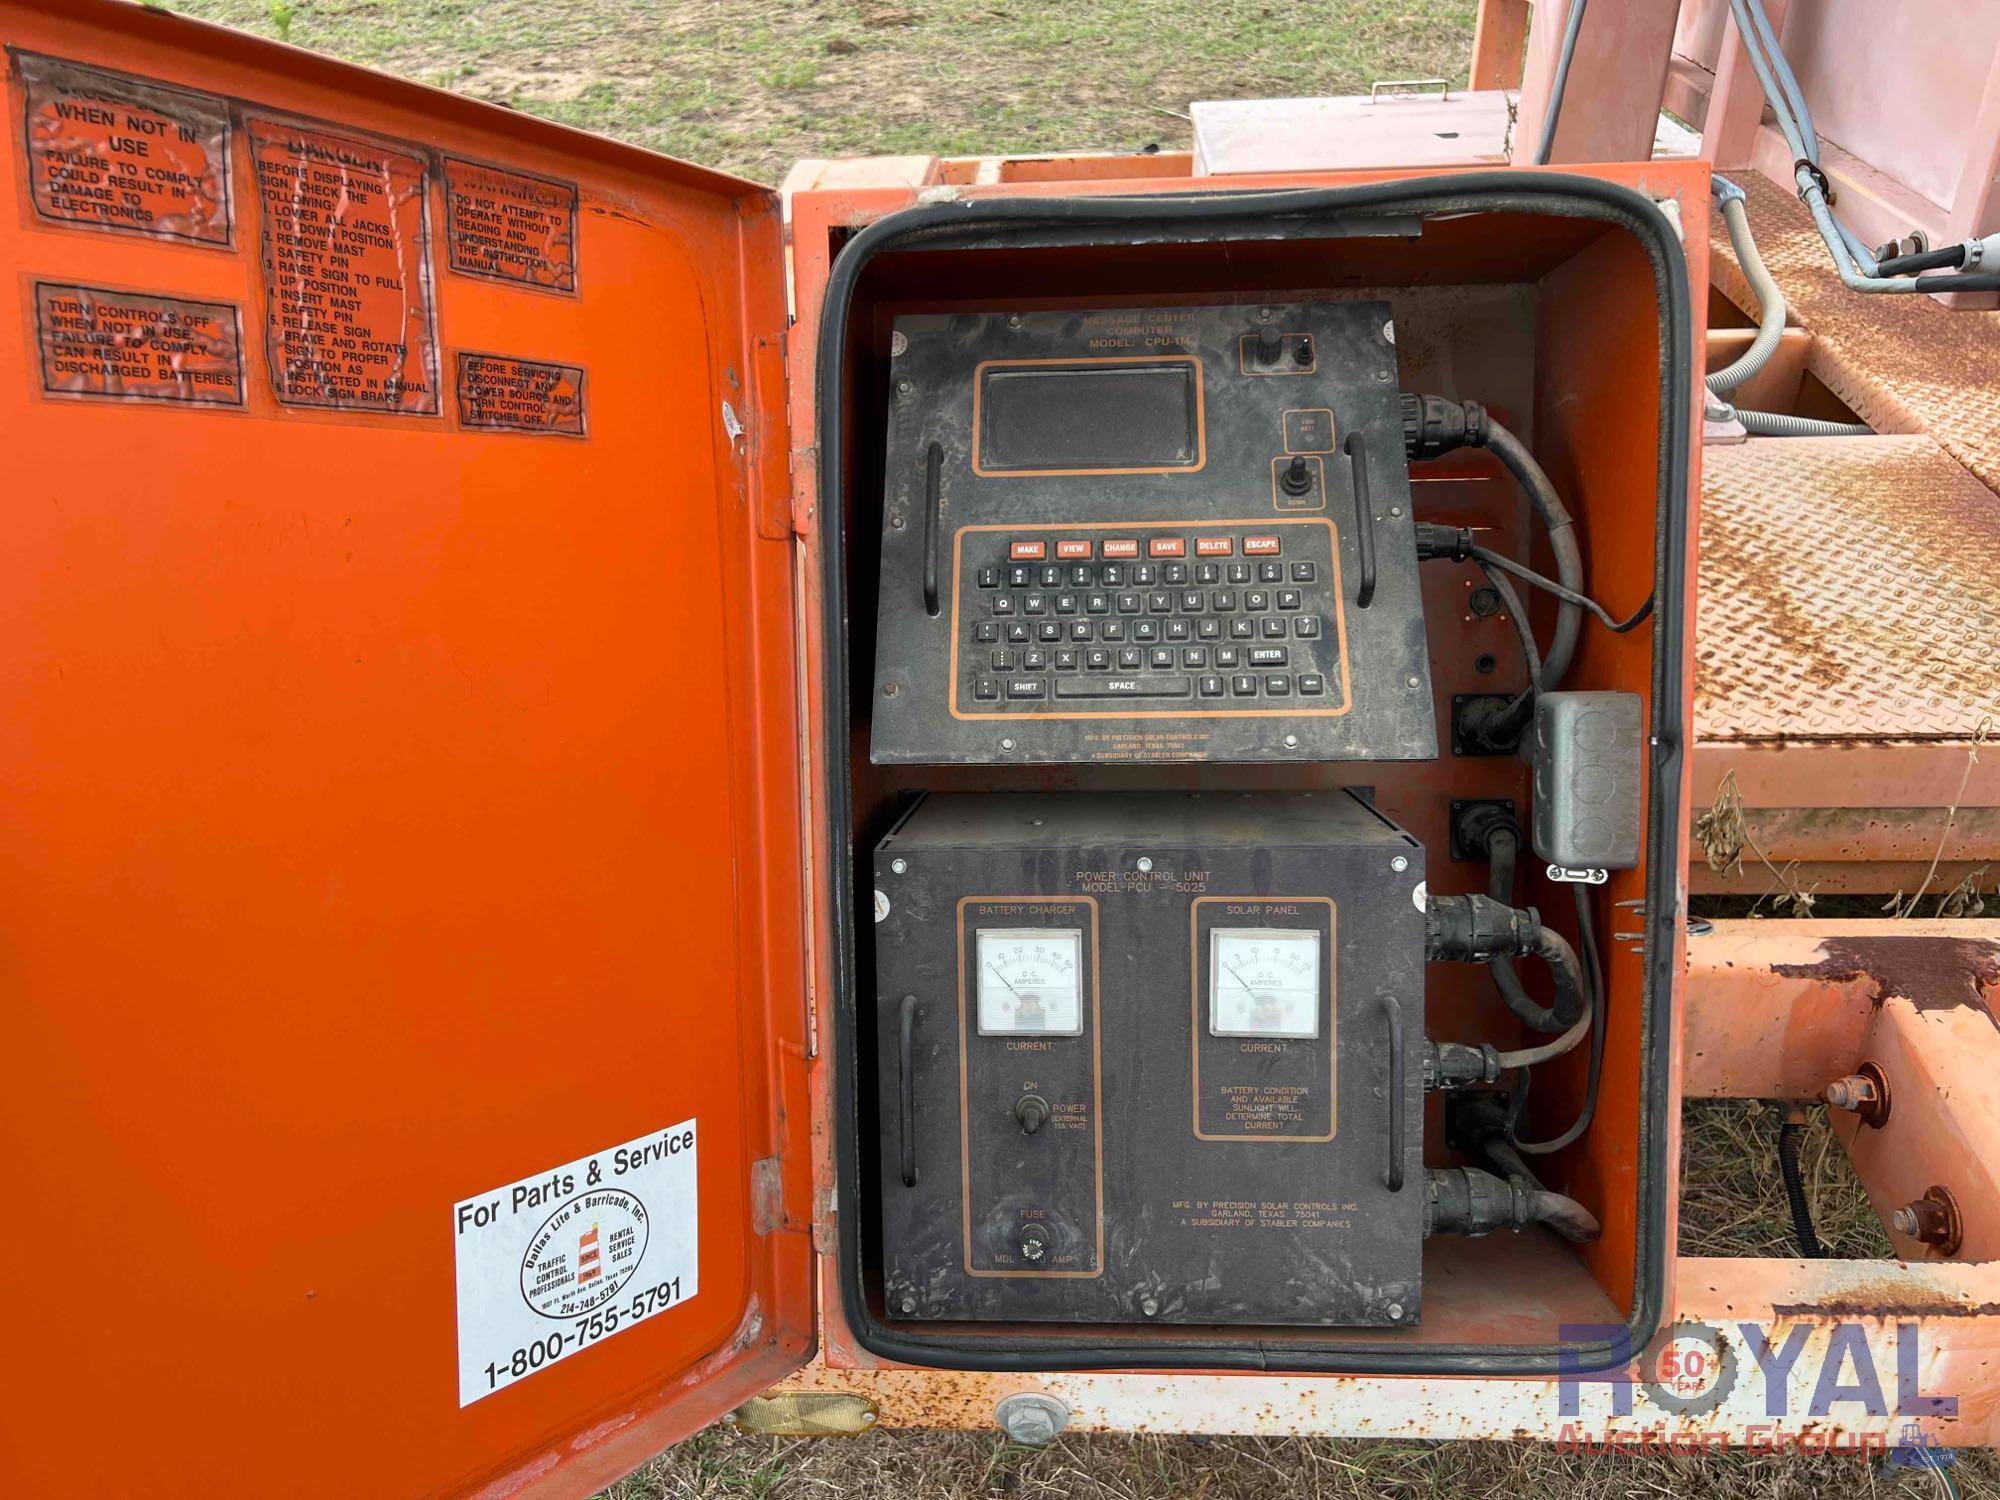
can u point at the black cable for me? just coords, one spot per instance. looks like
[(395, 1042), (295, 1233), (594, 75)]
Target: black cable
[(1593, 969), (1922, 260), (1510, 600), (1789, 1135), (1571, 31), (1568, 596)]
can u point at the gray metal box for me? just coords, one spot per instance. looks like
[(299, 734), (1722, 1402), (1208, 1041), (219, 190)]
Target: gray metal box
[(1589, 755), (1192, 998)]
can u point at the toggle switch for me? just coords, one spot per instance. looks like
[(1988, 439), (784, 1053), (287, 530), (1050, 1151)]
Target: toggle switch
[(1297, 478), (1031, 1113)]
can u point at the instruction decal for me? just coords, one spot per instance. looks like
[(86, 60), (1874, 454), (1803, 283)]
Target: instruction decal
[(133, 346), (503, 394), (554, 1263), (346, 260), (508, 226), (107, 151)]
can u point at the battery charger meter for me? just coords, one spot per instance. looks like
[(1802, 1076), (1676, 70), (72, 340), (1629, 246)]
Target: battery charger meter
[(1028, 981)]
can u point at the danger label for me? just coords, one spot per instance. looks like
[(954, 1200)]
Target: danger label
[(519, 395), (554, 1263), (509, 226), (134, 347), (347, 293), (124, 154)]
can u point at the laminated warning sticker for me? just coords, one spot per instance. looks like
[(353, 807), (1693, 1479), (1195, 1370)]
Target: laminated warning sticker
[(345, 249), (134, 346), (509, 226), (564, 1259), (504, 394), (107, 151)]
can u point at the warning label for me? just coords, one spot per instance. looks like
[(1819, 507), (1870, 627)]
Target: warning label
[(347, 292), (519, 395), (125, 154), (554, 1263), (134, 347), (509, 226)]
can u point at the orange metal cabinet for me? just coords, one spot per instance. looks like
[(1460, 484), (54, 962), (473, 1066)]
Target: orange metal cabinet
[(409, 606)]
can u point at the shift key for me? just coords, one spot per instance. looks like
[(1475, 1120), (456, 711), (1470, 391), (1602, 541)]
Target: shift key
[(1124, 687)]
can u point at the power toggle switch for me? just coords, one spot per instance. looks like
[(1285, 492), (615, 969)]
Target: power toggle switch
[(1297, 478), (1031, 1113)]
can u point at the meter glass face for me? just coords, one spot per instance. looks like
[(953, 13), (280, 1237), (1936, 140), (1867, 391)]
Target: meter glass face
[(1029, 981), (1263, 982)]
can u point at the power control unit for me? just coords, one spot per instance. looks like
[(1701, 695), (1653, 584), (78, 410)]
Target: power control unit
[(1151, 1058)]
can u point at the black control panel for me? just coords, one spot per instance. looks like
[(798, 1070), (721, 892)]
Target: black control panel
[(1148, 535), (1151, 1058)]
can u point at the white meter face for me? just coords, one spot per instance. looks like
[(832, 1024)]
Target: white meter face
[(1263, 982), (1029, 981)]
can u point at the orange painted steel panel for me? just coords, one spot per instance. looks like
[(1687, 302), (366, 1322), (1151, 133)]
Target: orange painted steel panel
[(821, 217), (392, 809)]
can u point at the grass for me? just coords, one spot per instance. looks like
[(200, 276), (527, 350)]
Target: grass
[(752, 85)]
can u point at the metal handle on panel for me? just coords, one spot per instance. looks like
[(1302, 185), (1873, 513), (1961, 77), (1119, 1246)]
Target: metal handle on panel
[(1364, 520), (908, 1144), (1399, 1070), (933, 484)]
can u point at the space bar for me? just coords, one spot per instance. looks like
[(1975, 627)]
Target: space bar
[(1124, 687)]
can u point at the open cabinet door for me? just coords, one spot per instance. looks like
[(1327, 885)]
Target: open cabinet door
[(400, 913)]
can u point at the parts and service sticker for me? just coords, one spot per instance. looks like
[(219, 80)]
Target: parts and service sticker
[(552, 1264)]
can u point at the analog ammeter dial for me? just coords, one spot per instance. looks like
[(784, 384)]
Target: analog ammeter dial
[(1263, 982), (1030, 981)]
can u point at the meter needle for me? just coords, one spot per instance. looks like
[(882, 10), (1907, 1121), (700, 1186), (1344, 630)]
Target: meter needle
[(1003, 979)]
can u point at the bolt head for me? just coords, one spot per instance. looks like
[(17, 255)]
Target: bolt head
[(909, 1304), (902, 387), (1145, 863), (1291, 742), (1395, 1312), (1413, 682), (900, 866), (1006, 744), (1399, 864), (1149, 1306), (1904, 1221)]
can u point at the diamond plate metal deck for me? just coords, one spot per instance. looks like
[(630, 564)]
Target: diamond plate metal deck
[(1850, 589), (1904, 363)]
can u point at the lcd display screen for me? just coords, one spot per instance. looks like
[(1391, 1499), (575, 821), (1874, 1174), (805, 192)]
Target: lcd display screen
[(1089, 416)]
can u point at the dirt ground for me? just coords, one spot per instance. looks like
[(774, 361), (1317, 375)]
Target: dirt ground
[(751, 86)]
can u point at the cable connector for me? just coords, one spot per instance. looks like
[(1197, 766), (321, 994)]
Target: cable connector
[(1433, 425), (1438, 541), (1472, 929), (1453, 1065)]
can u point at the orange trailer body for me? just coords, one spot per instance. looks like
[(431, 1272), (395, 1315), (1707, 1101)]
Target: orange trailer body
[(411, 726)]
